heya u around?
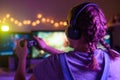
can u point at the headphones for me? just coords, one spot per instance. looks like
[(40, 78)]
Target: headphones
[(72, 32)]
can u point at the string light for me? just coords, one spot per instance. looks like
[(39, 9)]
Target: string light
[(34, 24), (24, 22), (16, 21), (37, 21), (48, 20), (40, 18), (56, 24), (7, 15), (20, 24), (65, 23), (11, 19), (4, 19), (28, 22), (51, 21), (61, 23), (43, 20)]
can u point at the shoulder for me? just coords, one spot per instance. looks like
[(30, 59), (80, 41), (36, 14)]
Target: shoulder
[(48, 66), (51, 60), (100, 54), (115, 63), (114, 71)]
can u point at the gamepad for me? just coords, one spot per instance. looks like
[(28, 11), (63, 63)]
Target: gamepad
[(30, 43)]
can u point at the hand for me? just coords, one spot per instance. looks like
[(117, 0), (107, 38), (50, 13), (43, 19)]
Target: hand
[(47, 48), (21, 51), (41, 43)]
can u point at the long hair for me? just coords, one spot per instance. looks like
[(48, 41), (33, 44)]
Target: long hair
[(92, 24)]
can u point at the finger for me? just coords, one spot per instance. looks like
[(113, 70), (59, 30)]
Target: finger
[(17, 45), (40, 38), (25, 44), (36, 38), (22, 42), (18, 42)]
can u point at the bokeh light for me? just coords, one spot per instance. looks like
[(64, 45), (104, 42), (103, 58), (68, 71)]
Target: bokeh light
[(5, 28)]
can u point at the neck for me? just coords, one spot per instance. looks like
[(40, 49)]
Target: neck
[(84, 48)]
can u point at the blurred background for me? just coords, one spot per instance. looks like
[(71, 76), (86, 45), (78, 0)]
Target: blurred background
[(46, 19)]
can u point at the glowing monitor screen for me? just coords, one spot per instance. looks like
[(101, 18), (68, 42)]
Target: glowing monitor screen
[(56, 39), (8, 42), (107, 40)]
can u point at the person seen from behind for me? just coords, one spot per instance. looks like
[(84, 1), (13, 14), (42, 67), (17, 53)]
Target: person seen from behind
[(86, 28)]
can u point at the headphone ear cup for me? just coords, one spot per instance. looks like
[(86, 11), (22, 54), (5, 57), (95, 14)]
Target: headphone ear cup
[(73, 33)]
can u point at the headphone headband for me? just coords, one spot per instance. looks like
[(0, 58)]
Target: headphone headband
[(88, 4)]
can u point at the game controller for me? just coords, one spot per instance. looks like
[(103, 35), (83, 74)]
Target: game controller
[(30, 43)]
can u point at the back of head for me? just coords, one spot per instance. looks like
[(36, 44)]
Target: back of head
[(88, 20)]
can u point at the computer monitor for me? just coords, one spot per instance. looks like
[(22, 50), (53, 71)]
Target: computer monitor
[(56, 39), (8, 42), (107, 39), (114, 31)]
